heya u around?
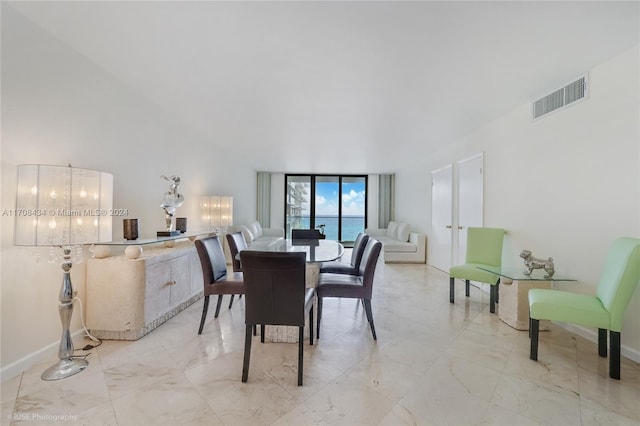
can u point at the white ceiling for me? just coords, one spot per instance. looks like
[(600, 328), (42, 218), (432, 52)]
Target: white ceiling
[(330, 87)]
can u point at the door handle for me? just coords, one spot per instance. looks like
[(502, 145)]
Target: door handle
[(460, 227), (448, 226)]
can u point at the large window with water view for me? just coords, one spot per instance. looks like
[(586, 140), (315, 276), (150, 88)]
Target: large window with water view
[(336, 205)]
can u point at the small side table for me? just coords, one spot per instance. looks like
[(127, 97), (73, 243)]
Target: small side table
[(514, 295)]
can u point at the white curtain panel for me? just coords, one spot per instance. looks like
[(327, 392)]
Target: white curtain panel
[(386, 199), (263, 204)]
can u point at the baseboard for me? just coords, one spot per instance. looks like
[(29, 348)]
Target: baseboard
[(592, 336), (23, 364)]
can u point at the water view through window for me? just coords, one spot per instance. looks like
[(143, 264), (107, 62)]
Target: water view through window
[(334, 204), (351, 226)]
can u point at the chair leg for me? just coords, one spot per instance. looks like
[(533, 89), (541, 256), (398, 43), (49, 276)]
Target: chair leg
[(231, 301), (466, 288), (262, 328), (498, 291), (205, 308), (319, 318), (534, 330), (218, 306), (300, 352), (452, 282), (492, 298), (602, 342), (311, 326), (614, 357), (247, 353), (255, 329), (367, 308)]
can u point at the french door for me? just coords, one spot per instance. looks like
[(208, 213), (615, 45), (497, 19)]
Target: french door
[(456, 205), (470, 196), (440, 246)]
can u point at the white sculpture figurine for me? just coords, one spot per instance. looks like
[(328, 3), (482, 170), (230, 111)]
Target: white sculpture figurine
[(172, 200)]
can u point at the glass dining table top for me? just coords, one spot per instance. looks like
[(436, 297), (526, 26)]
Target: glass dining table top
[(518, 274), (316, 250)]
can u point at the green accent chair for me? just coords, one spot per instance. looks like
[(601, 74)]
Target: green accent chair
[(484, 248), (604, 311)]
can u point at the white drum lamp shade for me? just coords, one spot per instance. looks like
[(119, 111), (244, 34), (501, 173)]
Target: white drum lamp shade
[(62, 206)]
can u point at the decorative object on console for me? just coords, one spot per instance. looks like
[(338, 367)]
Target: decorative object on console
[(532, 263), (63, 207), (181, 224), (133, 252), (130, 229), (171, 201), (217, 212), (100, 252)]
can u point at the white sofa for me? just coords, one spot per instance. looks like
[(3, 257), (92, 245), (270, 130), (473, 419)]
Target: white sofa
[(399, 245), (254, 233)]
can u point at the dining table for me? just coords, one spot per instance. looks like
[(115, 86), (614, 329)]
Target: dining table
[(317, 251)]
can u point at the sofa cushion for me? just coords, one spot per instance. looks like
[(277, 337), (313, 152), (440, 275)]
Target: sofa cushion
[(392, 229), (256, 229), (403, 232), (246, 233), (392, 245)]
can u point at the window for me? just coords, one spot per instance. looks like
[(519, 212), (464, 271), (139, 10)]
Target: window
[(335, 204)]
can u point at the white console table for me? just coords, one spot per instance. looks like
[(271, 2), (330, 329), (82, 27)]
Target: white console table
[(127, 298)]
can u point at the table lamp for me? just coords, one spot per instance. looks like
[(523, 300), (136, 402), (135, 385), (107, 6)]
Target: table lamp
[(64, 207), (217, 212)]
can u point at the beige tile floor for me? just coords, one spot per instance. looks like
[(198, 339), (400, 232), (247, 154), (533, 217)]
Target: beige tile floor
[(433, 364)]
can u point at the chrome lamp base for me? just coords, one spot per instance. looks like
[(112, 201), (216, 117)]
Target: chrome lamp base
[(64, 368), (68, 364)]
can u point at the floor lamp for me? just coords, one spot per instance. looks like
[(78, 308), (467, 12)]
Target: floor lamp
[(64, 207)]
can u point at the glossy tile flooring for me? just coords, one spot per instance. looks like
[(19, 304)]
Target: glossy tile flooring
[(433, 364)]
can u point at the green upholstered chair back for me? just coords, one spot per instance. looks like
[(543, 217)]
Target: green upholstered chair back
[(484, 246), (619, 278)]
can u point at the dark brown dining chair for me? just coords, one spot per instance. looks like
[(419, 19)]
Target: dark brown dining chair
[(237, 243), (275, 294), (352, 268), (352, 286), (305, 234), (216, 279)]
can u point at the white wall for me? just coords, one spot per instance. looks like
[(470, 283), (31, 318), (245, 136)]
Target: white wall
[(58, 108), (564, 186)]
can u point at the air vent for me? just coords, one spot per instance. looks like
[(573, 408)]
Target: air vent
[(561, 98)]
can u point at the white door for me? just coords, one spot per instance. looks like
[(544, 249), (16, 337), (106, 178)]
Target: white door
[(441, 214), (470, 194)]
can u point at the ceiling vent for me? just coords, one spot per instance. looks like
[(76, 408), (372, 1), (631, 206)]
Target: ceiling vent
[(561, 98)]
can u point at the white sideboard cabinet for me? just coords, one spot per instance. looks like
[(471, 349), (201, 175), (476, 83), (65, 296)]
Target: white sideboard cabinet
[(127, 298)]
